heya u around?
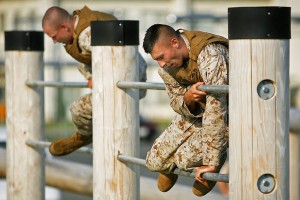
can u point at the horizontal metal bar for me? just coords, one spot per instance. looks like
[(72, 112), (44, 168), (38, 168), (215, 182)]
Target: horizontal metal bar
[(132, 160), (207, 176), (123, 85), (31, 83), (161, 86), (141, 85), (136, 161), (214, 88), (44, 144)]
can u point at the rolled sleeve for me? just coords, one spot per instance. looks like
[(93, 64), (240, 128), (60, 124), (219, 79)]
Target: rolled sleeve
[(84, 43)]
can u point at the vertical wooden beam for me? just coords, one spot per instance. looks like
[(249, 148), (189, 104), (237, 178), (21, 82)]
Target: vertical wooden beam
[(259, 102), (25, 165), (294, 165), (294, 153), (115, 111)]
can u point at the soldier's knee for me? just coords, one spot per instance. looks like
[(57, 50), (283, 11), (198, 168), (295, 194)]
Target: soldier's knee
[(181, 165), (154, 166), (152, 163), (149, 161), (74, 110), (179, 161), (150, 166)]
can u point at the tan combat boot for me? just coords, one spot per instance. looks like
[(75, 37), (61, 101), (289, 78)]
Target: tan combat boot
[(201, 189), (65, 146), (166, 181)]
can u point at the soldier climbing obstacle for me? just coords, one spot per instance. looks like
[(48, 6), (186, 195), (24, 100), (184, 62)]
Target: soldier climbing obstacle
[(74, 32), (197, 138)]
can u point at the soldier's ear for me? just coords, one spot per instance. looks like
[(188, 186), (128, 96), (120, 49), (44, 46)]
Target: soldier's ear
[(64, 26), (175, 43)]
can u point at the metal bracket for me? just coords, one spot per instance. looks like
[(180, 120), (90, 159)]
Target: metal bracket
[(266, 89), (266, 183)]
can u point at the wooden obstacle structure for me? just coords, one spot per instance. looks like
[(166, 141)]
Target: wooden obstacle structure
[(25, 116), (259, 102), (115, 116), (259, 120)]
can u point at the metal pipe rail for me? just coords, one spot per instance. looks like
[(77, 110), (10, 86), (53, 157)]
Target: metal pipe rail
[(136, 161), (141, 85), (44, 144), (207, 176), (32, 83), (161, 86), (214, 89), (124, 85)]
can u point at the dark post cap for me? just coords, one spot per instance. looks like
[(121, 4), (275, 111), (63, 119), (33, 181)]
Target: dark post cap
[(114, 33), (259, 23), (24, 41)]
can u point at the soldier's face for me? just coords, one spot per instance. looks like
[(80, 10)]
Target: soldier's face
[(61, 34), (167, 53)]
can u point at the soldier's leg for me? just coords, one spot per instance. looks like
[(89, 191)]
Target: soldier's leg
[(81, 111), (161, 156), (190, 155)]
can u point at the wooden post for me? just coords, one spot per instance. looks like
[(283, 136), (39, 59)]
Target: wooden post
[(115, 111), (294, 165), (25, 117), (259, 102), (294, 153)]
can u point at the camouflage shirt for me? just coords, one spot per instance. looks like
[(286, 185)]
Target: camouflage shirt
[(84, 42), (212, 121), (81, 109)]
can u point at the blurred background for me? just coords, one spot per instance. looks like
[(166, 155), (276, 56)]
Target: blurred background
[(155, 112)]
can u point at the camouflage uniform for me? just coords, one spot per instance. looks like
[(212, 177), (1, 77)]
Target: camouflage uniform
[(81, 110), (191, 141)]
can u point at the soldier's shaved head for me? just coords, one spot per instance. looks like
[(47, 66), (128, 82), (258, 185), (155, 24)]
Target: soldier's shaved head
[(55, 16)]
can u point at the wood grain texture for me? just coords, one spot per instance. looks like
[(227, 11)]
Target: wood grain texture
[(258, 128), (294, 165), (115, 122), (240, 120), (25, 165)]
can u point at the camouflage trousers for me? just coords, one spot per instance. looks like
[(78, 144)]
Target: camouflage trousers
[(182, 148), (81, 112)]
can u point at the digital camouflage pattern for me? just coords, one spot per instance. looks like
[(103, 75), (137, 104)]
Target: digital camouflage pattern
[(81, 110), (191, 141)]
